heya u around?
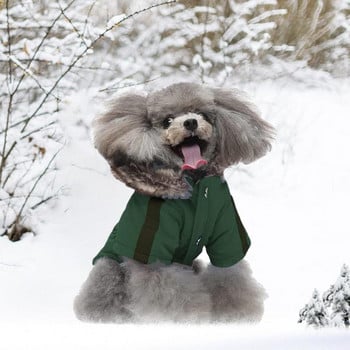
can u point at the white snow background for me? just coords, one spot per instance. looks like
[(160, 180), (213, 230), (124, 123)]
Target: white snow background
[(294, 203)]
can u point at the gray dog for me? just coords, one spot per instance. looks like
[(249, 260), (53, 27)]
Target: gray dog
[(172, 147)]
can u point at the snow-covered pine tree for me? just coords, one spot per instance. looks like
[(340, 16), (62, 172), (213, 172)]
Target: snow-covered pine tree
[(314, 313), (337, 298)]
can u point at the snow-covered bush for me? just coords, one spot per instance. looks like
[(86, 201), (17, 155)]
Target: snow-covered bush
[(216, 40), (334, 307), (39, 41), (317, 32), (208, 39), (43, 50)]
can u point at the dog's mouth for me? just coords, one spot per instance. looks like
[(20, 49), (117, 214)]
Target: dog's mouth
[(190, 150)]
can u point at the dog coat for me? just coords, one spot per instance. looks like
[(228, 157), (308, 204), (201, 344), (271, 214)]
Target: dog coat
[(153, 229)]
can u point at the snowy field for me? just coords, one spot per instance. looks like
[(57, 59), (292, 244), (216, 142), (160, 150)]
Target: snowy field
[(294, 204)]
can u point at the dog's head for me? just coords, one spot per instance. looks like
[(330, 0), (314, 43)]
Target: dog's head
[(152, 141)]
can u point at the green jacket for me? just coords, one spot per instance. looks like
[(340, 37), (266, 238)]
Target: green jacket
[(176, 230)]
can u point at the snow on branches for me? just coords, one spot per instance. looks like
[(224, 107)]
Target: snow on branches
[(215, 40), (333, 309), (43, 50), (314, 313)]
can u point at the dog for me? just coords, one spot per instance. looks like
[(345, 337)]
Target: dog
[(172, 147)]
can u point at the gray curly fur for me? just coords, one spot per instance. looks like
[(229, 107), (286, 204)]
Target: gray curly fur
[(138, 293), (103, 296), (235, 294), (131, 137)]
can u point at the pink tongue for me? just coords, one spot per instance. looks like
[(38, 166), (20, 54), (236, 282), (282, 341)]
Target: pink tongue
[(193, 157)]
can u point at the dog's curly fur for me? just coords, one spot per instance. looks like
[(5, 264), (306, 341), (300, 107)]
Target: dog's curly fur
[(138, 136)]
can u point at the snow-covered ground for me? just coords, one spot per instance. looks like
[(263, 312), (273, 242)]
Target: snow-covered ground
[(294, 203)]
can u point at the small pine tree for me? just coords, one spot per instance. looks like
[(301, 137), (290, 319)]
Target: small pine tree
[(314, 313), (337, 297)]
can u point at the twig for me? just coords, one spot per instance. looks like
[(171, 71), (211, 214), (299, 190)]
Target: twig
[(31, 74), (9, 174), (9, 265), (9, 39), (9, 198), (204, 35), (88, 16), (126, 86), (89, 169), (37, 129), (23, 120), (9, 81), (64, 64), (34, 186), (43, 201), (80, 36)]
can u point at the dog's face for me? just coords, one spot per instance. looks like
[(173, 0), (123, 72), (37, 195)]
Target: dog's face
[(152, 141), (189, 136)]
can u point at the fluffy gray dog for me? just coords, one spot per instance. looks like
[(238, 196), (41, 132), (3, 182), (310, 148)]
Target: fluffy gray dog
[(172, 146)]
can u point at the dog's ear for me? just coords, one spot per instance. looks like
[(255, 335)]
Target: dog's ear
[(242, 135), (118, 130)]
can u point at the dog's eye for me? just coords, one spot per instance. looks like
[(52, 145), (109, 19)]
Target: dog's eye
[(167, 122)]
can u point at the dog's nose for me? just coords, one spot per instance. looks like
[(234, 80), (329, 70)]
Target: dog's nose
[(191, 124)]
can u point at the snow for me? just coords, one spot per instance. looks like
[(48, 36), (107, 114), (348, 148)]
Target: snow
[(293, 203), (115, 20), (92, 337)]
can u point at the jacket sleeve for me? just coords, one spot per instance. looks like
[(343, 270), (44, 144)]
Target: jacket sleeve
[(229, 242)]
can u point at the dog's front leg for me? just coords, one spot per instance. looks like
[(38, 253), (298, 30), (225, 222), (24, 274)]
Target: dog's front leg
[(235, 294), (167, 293), (103, 296)]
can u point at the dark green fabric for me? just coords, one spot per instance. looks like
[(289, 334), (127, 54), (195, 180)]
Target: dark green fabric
[(148, 231), (176, 230)]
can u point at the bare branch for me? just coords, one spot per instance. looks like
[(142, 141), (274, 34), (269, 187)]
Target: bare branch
[(3, 155), (88, 16), (24, 119), (66, 65), (9, 82), (37, 130), (9, 39), (80, 36), (36, 205), (112, 88), (204, 35)]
